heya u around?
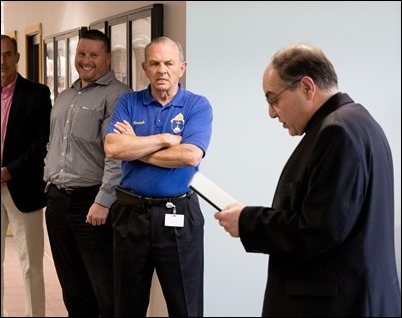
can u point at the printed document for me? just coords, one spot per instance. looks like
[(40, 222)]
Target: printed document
[(210, 192)]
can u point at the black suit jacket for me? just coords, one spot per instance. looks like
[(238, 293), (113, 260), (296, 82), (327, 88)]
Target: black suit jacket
[(25, 144), (330, 231)]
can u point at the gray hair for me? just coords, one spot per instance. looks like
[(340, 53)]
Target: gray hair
[(164, 39)]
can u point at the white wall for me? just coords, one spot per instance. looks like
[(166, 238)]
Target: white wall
[(228, 47)]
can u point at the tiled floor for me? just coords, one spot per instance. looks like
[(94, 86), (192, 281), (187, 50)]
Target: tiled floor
[(13, 289), (14, 293)]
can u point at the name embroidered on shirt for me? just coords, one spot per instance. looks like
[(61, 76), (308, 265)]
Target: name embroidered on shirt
[(136, 122)]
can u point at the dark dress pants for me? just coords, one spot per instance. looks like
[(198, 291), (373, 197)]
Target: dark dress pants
[(82, 253), (143, 243)]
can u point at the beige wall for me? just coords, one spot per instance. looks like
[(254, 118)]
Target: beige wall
[(60, 16)]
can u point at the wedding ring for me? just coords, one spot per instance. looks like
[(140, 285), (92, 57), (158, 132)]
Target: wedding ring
[(126, 132)]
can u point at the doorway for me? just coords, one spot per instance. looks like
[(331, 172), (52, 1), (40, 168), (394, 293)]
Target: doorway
[(33, 44)]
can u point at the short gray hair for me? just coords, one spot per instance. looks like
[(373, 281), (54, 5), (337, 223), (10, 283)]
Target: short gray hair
[(164, 39)]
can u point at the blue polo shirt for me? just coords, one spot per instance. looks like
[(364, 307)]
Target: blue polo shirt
[(188, 115)]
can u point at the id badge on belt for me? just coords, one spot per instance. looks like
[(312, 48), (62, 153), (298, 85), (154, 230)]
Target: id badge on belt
[(173, 219)]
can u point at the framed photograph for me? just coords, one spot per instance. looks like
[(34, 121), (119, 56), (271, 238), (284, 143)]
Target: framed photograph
[(72, 43), (118, 43), (129, 33), (61, 64), (49, 66), (100, 25), (140, 37), (59, 60), (145, 25)]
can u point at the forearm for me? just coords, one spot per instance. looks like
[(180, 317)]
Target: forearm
[(129, 147), (183, 155)]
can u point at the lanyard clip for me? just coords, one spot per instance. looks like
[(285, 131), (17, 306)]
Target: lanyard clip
[(170, 205)]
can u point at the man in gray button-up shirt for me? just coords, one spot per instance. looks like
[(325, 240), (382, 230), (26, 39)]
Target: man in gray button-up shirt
[(81, 181)]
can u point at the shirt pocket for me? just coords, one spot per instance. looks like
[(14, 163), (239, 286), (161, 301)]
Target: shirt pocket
[(86, 123)]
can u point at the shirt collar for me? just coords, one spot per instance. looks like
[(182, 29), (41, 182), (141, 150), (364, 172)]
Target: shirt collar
[(104, 80), (332, 104), (178, 99)]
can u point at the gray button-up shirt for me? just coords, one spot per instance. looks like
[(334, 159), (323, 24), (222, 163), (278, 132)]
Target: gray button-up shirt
[(75, 155)]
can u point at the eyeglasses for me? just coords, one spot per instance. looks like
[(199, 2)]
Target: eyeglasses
[(272, 101)]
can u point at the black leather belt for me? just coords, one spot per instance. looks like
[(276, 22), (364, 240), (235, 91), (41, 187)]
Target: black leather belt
[(71, 190), (127, 197)]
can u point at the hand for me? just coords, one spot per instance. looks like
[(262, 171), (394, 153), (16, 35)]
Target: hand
[(97, 214), (123, 128), (5, 176), (170, 140), (229, 218)]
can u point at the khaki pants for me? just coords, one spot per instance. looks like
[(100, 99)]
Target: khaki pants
[(28, 234)]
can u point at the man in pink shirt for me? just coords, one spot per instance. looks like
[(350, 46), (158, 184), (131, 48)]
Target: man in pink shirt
[(25, 122)]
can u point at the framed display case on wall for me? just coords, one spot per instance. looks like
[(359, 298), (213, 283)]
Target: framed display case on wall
[(101, 26), (118, 42), (59, 68), (129, 33), (49, 65)]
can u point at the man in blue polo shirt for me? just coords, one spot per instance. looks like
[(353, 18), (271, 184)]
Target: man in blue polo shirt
[(160, 134)]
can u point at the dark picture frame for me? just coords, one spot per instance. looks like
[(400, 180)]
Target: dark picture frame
[(59, 60), (49, 68), (129, 33)]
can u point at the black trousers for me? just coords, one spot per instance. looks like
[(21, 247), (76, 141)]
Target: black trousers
[(142, 244), (82, 253)]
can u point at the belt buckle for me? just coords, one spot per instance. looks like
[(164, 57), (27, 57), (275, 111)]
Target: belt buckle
[(69, 190), (148, 201)]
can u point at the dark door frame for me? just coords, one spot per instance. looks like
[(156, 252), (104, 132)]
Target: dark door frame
[(33, 56)]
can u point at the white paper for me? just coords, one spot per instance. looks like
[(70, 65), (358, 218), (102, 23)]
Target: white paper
[(210, 192)]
